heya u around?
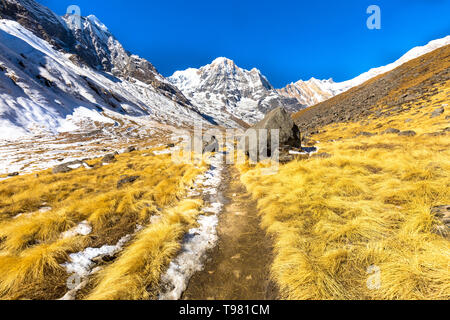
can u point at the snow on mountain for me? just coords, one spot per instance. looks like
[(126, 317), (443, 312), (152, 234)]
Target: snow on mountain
[(39, 19), (314, 91), (310, 92), (97, 47), (228, 93), (43, 90), (55, 77)]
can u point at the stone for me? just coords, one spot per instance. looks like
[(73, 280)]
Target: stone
[(437, 113), (126, 180), (391, 131), (13, 174), (409, 133), (366, 134), (277, 119), (66, 167), (285, 158), (130, 149), (322, 155), (109, 158), (210, 145)]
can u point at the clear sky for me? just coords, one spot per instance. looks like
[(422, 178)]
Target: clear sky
[(287, 40)]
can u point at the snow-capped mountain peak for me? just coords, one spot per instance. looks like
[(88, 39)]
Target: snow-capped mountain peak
[(81, 77), (227, 92), (223, 61), (314, 91), (93, 19)]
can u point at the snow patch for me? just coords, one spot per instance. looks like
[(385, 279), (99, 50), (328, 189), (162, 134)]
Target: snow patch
[(79, 115), (83, 228), (197, 241), (81, 262)]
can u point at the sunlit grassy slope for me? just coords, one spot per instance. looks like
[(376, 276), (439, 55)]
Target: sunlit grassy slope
[(32, 247), (337, 220)]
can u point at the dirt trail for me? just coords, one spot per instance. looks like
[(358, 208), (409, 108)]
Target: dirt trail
[(238, 268)]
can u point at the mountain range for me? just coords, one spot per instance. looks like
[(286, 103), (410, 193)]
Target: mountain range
[(56, 77), (314, 91)]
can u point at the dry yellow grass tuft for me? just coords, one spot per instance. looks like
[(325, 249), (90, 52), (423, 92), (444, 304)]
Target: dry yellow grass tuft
[(36, 210), (343, 223), (136, 273)]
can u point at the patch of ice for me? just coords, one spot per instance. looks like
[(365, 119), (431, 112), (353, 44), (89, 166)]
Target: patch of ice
[(197, 242), (166, 151), (215, 207), (81, 262), (83, 228), (75, 166)]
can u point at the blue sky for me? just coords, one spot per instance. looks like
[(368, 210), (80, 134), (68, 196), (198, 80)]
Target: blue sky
[(287, 40)]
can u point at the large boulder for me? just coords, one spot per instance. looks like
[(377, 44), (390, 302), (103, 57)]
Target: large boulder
[(277, 119)]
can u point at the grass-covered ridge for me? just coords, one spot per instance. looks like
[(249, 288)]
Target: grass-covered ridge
[(37, 209), (367, 202)]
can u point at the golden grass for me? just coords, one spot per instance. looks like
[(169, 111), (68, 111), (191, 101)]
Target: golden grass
[(368, 205), (136, 273), (31, 246)]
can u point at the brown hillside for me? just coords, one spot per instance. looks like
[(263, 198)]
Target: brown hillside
[(392, 92)]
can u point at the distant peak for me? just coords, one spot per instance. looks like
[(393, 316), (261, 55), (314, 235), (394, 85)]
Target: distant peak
[(223, 60), (93, 19), (314, 80)]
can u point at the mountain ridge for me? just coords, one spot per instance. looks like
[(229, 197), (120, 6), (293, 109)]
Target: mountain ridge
[(52, 72), (315, 91), (225, 90)]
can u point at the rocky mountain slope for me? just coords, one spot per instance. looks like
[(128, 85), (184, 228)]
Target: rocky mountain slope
[(54, 77), (391, 93), (314, 91), (229, 93)]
